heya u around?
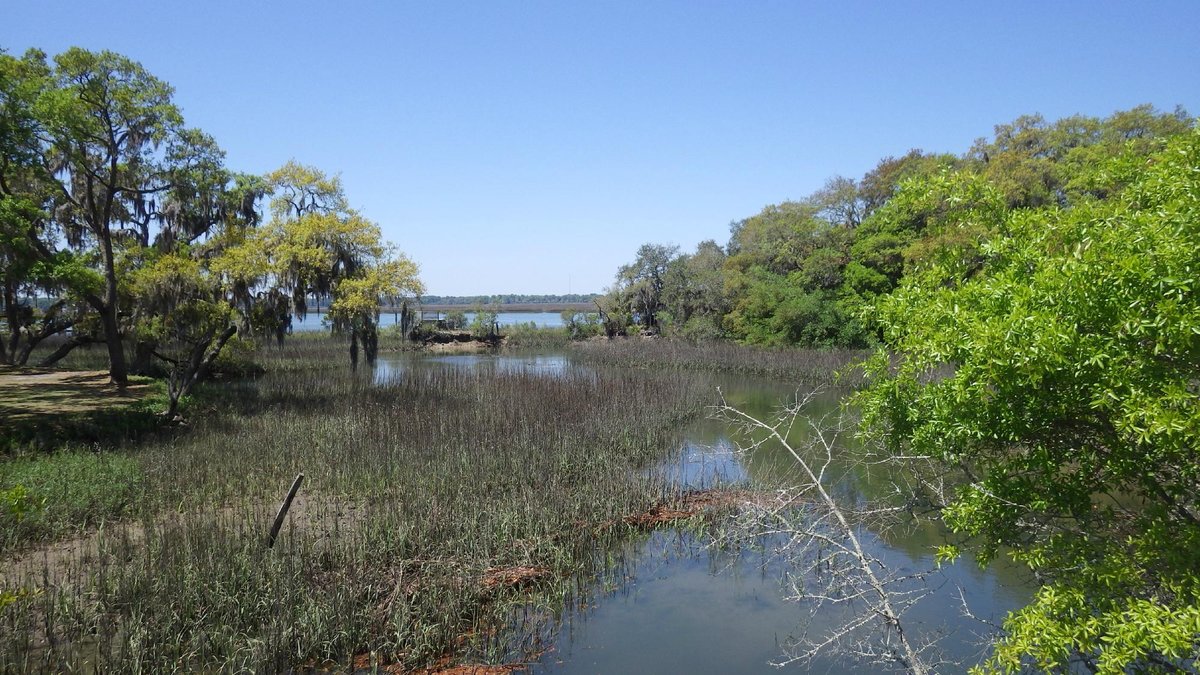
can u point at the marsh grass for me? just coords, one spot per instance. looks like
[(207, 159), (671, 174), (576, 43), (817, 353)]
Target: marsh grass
[(529, 336), (418, 491), (811, 366)]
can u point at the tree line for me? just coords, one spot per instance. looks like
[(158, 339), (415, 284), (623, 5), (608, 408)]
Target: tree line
[(510, 299), (1035, 308), (807, 272), (149, 243)]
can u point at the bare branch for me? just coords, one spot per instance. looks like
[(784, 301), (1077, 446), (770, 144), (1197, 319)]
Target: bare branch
[(832, 566)]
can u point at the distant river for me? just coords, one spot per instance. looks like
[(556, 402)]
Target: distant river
[(314, 320)]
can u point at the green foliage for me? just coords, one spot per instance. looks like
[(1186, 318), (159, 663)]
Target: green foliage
[(456, 319), (531, 336), (777, 311), (640, 284), (51, 495), (693, 295), (483, 324), (16, 503), (581, 325), (804, 272), (1059, 378), (316, 243), (110, 202)]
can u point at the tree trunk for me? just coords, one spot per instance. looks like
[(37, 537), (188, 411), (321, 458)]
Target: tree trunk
[(143, 359), (21, 357), (195, 369), (8, 352), (50, 326), (354, 349), (118, 373), (64, 349), (371, 342)]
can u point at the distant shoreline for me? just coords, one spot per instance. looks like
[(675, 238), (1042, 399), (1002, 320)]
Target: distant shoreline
[(515, 307), (510, 307)]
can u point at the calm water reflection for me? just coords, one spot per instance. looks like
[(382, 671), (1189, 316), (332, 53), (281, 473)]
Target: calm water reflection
[(687, 609)]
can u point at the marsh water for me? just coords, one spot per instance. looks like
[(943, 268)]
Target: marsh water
[(674, 603), (316, 320)]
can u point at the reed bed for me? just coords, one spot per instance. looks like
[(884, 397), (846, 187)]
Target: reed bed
[(420, 493), (810, 366), (529, 336)]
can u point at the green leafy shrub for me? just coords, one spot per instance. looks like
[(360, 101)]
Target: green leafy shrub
[(1061, 382)]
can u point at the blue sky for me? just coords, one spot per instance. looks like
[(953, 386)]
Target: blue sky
[(531, 147)]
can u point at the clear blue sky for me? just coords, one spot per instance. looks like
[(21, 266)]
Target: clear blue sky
[(529, 147)]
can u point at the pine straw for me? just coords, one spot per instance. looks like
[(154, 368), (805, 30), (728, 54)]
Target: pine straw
[(514, 577), (693, 504)]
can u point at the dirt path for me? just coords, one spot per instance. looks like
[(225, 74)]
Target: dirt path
[(26, 393)]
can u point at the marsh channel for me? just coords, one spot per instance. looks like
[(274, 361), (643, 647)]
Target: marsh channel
[(674, 602)]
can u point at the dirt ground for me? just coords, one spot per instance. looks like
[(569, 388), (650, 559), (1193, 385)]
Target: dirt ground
[(29, 392)]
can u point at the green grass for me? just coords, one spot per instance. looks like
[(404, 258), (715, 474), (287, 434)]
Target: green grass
[(530, 336), (51, 496)]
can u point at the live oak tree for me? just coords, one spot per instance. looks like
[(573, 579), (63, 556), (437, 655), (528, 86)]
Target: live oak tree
[(25, 204), (1058, 379), (103, 145), (386, 279), (693, 294), (187, 317), (217, 273), (131, 221), (186, 301), (640, 283)]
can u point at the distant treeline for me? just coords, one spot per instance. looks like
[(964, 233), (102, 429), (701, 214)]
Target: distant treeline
[(808, 272), (509, 299)]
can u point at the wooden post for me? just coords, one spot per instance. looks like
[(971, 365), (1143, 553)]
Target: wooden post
[(283, 509)]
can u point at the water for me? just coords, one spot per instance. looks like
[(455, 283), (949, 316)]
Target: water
[(315, 320), (676, 605), (685, 607), (393, 365)]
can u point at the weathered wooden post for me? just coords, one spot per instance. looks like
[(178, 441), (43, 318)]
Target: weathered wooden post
[(283, 509)]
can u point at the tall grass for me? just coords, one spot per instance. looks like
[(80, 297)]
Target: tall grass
[(531, 336), (811, 366), (415, 489)]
